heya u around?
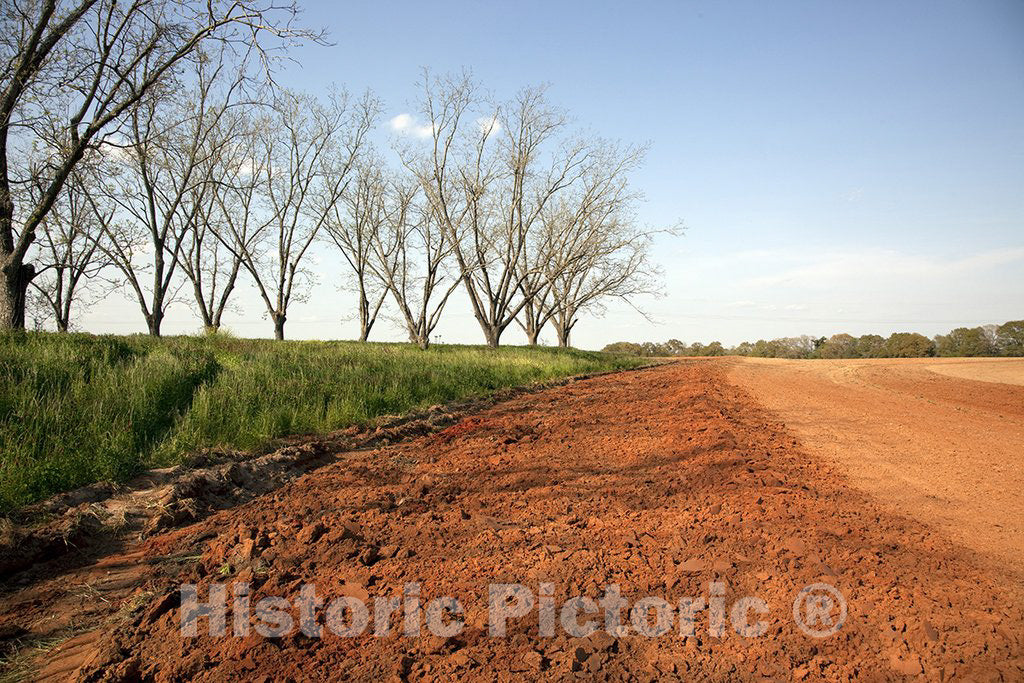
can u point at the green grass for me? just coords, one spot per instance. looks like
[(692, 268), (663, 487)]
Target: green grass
[(76, 409)]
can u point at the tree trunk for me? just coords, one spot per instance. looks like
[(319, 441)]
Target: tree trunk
[(420, 339), (153, 321), (279, 319), (64, 314), (492, 335), (563, 325), (204, 313), (218, 309), (211, 319), (563, 336), (530, 326), (365, 325), (13, 292), (364, 315), (367, 317), (9, 316)]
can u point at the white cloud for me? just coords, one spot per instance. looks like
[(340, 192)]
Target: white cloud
[(489, 125), (117, 149), (406, 124), (854, 195), (249, 167)]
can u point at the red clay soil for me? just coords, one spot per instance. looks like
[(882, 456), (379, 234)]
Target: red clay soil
[(661, 481), (945, 449)]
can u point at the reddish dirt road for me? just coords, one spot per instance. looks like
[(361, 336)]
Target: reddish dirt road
[(661, 481)]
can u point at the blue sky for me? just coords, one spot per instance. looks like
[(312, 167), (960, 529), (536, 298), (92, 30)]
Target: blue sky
[(854, 166)]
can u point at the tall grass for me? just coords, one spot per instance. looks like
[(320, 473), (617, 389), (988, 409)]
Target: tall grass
[(76, 409)]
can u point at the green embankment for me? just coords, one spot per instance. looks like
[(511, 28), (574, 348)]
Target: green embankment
[(76, 409)]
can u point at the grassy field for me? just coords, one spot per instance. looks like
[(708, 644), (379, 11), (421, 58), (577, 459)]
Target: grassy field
[(76, 409)]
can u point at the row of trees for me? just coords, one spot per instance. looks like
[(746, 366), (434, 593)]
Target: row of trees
[(673, 347), (990, 340), (145, 145)]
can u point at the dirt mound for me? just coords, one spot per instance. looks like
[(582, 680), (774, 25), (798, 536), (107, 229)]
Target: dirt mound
[(666, 483), (95, 518)]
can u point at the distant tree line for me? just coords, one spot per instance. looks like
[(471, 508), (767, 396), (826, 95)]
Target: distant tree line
[(989, 340), (147, 146)]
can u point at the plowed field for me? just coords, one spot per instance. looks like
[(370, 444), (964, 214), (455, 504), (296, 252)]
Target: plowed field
[(715, 491)]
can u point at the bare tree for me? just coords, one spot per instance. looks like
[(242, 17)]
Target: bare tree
[(594, 248), (618, 267), (308, 150), (68, 247), (224, 186), (161, 187), (411, 256), (353, 225), (69, 72), (488, 175), (233, 216), (211, 268), (535, 280), (589, 248)]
